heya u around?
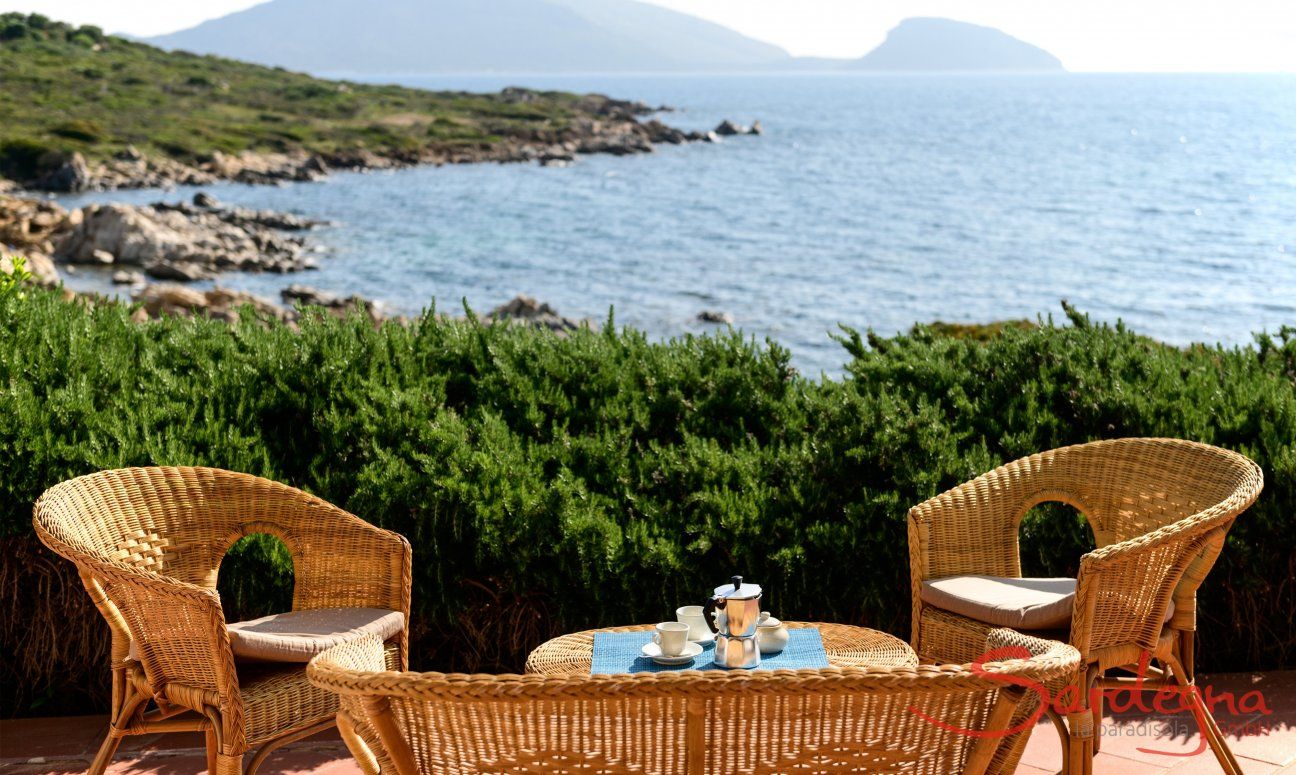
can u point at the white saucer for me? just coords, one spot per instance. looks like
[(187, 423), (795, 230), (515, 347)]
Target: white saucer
[(653, 652), (707, 640)]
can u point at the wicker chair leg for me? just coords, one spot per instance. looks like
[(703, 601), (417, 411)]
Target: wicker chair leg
[(1205, 721), (229, 765), (130, 703), (1060, 725), (213, 747), (105, 755), (1096, 698), (273, 745)]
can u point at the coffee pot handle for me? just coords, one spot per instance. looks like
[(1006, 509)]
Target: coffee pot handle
[(708, 612)]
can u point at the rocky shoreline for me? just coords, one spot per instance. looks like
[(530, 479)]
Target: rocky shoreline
[(604, 126)]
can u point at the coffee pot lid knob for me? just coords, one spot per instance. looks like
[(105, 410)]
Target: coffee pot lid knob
[(737, 590)]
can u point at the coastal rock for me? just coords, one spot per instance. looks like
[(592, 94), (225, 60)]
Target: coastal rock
[(525, 309), (29, 228), (67, 176), (206, 201), (127, 277), (703, 137), (180, 242), (715, 316), (205, 204), (178, 270), (338, 306), (101, 257), (31, 225), (728, 128), (662, 133), (40, 266), (219, 303)]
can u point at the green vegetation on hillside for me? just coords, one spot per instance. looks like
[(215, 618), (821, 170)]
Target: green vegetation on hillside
[(71, 88), (552, 484)]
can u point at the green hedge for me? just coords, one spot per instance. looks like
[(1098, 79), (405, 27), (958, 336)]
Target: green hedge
[(549, 484)]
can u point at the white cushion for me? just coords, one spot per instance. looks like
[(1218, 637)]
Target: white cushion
[(296, 636), (1022, 604)]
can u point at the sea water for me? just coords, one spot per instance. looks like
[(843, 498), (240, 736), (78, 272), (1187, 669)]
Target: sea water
[(1167, 201)]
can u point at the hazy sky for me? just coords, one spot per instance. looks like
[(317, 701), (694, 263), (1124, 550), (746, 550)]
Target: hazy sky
[(1115, 35)]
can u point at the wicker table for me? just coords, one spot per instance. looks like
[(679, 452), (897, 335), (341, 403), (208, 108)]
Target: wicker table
[(846, 646)]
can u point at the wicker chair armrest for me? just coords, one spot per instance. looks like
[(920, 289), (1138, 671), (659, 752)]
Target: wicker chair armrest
[(177, 628), (1124, 590), (1051, 662)]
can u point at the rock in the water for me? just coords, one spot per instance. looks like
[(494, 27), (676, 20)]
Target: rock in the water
[(69, 176), (178, 270), (728, 128), (662, 133), (205, 200), (127, 277), (38, 265), (180, 242), (337, 305), (29, 228), (715, 316), (169, 299), (525, 309), (703, 137)]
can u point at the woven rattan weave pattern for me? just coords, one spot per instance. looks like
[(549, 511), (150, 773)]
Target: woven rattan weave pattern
[(845, 645), (148, 543), (908, 719), (1159, 509)]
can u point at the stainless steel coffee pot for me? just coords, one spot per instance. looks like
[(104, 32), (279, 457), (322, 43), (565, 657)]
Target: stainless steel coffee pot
[(733, 614)]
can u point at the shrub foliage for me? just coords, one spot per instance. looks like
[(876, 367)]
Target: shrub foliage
[(552, 484)]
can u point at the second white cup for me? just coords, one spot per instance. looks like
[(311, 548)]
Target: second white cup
[(692, 616), (671, 637)]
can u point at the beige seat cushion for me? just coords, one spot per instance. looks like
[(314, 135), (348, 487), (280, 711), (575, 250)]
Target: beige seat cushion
[(1022, 604), (296, 636)]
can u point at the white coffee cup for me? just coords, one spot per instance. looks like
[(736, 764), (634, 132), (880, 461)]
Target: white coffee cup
[(672, 637), (692, 616)]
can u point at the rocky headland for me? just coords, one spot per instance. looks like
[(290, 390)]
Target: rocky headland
[(603, 125)]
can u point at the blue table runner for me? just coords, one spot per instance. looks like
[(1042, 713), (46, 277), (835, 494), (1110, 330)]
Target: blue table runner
[(620, 652)]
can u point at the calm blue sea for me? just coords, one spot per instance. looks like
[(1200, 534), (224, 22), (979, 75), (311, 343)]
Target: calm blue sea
[(871, 201)]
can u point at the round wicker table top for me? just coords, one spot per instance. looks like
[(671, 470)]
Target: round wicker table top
[(846, 646)]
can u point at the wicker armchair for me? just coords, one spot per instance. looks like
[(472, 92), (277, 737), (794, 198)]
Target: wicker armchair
[(936, 720), (1159, 510), (148, 544)]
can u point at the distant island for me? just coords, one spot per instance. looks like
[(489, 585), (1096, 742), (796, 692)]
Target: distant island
[(83, 110), (395, 37), (943, 45), (518, 36)]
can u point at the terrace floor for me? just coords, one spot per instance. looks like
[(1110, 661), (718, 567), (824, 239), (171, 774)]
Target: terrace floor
[(1134, 743)]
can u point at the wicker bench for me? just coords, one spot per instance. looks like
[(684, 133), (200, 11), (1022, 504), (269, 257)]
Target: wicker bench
[(924, 719)]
